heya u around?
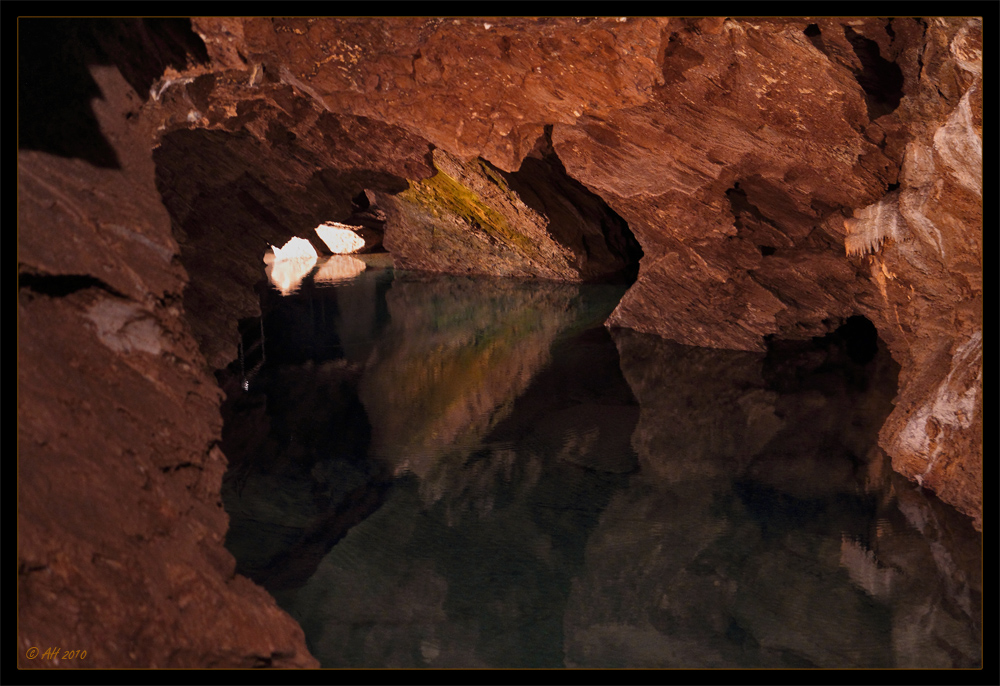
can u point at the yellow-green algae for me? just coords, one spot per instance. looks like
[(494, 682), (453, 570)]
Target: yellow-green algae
[(443, 194)]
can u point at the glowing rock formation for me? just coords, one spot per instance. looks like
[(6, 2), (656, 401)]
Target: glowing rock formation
[(340, 238), (295, 249), (291, 264)]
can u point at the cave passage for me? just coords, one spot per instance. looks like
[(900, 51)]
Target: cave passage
[(444, 471)]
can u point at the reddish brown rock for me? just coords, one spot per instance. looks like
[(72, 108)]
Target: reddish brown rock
[(479, 87), (531, 223), (120, 526), (735, 150)]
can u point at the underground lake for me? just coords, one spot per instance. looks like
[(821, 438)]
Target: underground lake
[(448, 471)]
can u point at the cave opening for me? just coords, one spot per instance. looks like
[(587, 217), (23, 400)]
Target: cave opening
[(577, 217), (234, 197), (815, 36), (860, 338), (881, 80)]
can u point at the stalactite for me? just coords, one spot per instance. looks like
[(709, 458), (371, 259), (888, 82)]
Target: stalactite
[(872, 226)]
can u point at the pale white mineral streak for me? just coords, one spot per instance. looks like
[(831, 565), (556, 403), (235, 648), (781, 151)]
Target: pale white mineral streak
[(873, 225), (952, 405)]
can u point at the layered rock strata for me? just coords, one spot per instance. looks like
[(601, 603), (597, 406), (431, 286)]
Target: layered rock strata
[(745, 156), (120, 523)]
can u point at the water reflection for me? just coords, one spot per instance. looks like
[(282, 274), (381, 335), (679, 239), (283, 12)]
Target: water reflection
[(456, 472), (289, 265), (457, 354), (756, 533)]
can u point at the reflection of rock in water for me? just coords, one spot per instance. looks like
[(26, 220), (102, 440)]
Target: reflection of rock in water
[(376, 601), (320, 322), (298, 477), (338, 269), (458, 352), (705, 412), (287, 275), (470, 564), (740, 514), (421, 584), (937, 591), (762, 530)]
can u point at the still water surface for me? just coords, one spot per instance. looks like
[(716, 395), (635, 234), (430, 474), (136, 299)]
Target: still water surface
[(440, 471)]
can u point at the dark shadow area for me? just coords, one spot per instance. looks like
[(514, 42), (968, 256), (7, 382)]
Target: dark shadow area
[(297, 435), (60, 285), (55, 88), (349, 188), (578, 218), (815, 36), (296, 438), (143, 49), (860, 338), (881, 80), (368, 215), (853, 353), (752, 225), (677, 58), (310, 325)]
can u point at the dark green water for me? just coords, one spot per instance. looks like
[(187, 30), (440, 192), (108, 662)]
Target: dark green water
[(432, 471)]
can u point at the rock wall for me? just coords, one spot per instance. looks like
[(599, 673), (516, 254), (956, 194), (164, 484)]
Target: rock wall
[(120, 522), (780, 175), (747, 157)]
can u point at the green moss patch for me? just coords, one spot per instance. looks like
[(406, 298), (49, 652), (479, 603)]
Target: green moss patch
[(443, 194)]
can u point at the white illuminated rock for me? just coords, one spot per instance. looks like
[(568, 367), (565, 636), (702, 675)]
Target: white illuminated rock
[(290, 264), (340, 238), (295, 249)]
